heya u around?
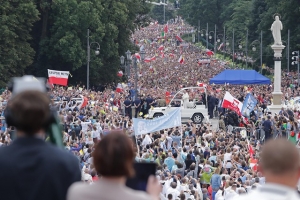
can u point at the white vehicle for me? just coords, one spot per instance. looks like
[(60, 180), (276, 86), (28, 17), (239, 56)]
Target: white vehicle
[(193, 111)]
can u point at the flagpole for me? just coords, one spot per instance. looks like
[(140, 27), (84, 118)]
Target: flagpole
[(207, 36), (198, 29), (261, 35), (215, 45), (247, 49), (88, 60), (288, 52), (224, 42), (233, 47)]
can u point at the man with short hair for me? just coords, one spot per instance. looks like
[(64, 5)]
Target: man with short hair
[(30, 167), (281, 171)]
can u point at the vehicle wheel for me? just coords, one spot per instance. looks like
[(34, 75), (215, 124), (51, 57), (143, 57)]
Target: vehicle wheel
[(197, 118), (157, 115)]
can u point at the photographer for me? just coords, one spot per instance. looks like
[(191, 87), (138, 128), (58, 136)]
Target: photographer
[(30, 167)]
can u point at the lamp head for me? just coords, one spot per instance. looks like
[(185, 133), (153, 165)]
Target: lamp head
[(97, 52)]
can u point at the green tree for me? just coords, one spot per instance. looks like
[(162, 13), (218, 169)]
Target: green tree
[(17, 18)]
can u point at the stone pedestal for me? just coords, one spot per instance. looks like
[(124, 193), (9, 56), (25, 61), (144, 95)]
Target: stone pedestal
[(277, 94)]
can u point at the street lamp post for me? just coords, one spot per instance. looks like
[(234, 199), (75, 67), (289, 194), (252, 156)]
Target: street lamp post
[(210, 37), (254, 49), (97, 52), (128, 63), (297, 60), (122, 60)]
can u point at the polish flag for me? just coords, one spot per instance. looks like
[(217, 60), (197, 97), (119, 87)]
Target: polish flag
[(147, 60), (137, 55), (151, 69), (153, 58), (84, 102), (58, 77), (201, 84), (221, 46), (171, 55), (253, 163), (119, 88), (181, 60), (166, 28), (161, 47), (120, 73), (162, 54), (232, 103), (209, 52), (178, 38)]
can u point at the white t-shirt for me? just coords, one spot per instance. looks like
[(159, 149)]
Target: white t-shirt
[(95, 134), (227, 156)]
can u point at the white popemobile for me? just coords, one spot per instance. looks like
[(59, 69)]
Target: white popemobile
[(191, 110)]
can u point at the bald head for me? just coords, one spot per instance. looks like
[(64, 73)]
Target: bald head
[(279, 157)]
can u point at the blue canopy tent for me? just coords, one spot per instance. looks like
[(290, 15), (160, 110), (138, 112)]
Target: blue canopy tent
[(239, 77)]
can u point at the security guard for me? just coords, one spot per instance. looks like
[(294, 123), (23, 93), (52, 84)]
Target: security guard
[(128, 110), (280, 164), (137, 105)]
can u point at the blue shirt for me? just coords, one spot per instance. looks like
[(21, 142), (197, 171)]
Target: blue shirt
[(215, 181), (169, 162)]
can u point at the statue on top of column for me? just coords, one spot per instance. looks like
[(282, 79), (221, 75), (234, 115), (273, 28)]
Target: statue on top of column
[(276, 31)]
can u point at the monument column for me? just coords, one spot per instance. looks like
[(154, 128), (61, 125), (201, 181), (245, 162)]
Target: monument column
[(277, 94), (277, 47)]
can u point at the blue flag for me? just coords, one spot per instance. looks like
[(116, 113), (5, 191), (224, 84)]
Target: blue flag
[(248, 105)]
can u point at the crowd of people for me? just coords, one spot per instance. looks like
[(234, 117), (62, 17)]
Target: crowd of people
[(194, 161)]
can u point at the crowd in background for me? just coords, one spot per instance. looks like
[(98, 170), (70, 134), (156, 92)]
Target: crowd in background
[(194, 161)]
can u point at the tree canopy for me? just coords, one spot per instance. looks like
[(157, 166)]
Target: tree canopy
[(242, 15), (44, 34)]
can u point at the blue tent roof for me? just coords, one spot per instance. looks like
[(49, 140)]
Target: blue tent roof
[(239, 77)]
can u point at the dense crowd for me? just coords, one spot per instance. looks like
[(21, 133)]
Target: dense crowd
[(194, 161)]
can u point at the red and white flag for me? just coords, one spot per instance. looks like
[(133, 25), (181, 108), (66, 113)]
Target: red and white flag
[(58, 77), (209, 52), (138, 56), (221, 46), (181, 60), (161, 47), (232, 103), (201, 84), (84, 102), (153, 58), (147, 60), (119, 88), (120, 73), (178, 38), (171, 55), (166, 28)]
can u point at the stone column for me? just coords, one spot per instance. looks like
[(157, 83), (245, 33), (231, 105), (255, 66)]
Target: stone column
[(277, 94)]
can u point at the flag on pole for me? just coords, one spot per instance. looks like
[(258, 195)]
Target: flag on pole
[(84, 102), (166, 28), (161, 47), (248, 105), (138, 56), (209, 52), (221, 46), (181, 60), (58, 77), (119, 88), (120, 73), (178, 38), (232, 103)]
